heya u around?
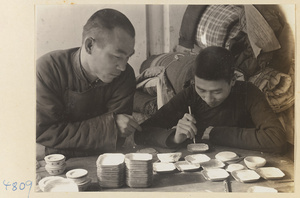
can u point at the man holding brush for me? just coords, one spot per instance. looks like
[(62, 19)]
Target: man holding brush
[(223, 111)]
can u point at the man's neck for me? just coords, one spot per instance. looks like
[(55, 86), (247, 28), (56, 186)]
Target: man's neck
[(85, 67)]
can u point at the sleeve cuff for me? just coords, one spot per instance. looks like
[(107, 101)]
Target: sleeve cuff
[(155, 136), (206, 133)]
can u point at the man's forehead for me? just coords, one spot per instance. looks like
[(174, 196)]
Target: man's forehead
[(202, 80), (210, 85)]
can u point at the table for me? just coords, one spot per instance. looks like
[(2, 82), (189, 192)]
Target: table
[(191, 181)]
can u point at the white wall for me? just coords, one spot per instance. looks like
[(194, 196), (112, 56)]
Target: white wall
[(164, 22), (176, 14), (157, 26), (60, 27)]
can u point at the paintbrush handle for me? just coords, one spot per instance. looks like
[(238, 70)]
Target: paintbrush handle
[(190, 112)]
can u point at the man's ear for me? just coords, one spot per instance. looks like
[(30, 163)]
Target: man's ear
[(88, 45)]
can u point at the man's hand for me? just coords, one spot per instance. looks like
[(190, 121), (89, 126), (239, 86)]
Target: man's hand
[(185, 128), (127, 125)]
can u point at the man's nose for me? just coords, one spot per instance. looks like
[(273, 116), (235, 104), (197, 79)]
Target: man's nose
[(208, 98), (122, 65)]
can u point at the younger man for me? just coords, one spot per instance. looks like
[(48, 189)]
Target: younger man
[(224, 111)]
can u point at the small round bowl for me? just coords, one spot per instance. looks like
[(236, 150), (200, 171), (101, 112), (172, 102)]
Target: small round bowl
[(55, 170), (77, 173), (55, 159), (50, 166), (169, 157), (83, 186), (254, 162), (79, 180)]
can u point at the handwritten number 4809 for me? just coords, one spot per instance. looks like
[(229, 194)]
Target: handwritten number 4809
[(21, 186)]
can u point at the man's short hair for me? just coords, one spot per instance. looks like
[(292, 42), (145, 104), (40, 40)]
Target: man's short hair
[(106, 20), (214, 63)]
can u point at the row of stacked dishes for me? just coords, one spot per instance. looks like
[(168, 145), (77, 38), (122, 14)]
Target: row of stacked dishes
[(75, 180), (115, 169)]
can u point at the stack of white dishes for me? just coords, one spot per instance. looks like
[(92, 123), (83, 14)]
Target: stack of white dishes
[(270, 173), (139, 170), (197, 148), (186, 166), (57, 184), (245, 175), (212, 163), (215, 174), (233, 167), (151, 151), (80, 177), (169, 157), (197, 158), (55, 164), (111, 170), (163, 167), (43, 182), (261, 189)]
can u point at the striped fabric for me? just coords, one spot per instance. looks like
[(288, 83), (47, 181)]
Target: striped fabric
[(218, 25)]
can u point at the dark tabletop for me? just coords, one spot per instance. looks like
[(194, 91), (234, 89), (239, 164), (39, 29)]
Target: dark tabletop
[(177, 181)]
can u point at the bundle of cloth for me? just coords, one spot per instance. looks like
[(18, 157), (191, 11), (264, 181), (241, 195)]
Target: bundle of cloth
[(277, 87), (257, 35), (161, 77)]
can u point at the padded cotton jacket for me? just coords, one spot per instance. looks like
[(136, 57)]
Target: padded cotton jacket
[(75, 117), (244, 120)]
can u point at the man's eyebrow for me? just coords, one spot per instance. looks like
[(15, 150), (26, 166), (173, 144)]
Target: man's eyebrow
[(123, 52), (209, 90), (199, 87)]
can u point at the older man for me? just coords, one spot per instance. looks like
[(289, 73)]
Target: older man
[(85, 94)]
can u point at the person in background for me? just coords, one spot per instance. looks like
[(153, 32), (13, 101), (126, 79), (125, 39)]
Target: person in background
[(223, 111), (85, 95)]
